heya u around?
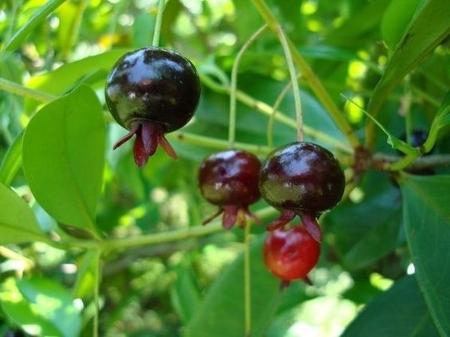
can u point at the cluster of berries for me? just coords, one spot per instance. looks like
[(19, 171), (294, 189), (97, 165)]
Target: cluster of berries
[(153, 91)]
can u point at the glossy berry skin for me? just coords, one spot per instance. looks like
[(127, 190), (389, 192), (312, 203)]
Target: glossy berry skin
[(154, 84), (290, 254), (229, 179), (152, 91), (302, 177)]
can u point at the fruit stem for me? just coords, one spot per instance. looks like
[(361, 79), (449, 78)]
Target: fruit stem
[(266, 109), (158, 23), (247, 280), (174, 235), (276, 106), (311, 78), (295, 88), (96, 292), (234, 71)]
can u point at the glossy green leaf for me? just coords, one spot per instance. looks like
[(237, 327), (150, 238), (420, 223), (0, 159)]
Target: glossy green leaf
[(17, 221), (12, 161), (63, 157), (222, 310), (427, 220), (41, 14), (417, 43), (401, 311)]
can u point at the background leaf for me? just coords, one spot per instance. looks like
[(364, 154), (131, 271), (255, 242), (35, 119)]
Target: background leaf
[(417, 43), (38, 17), (427, 220), (226, 296), (41, 307), (17, 221), (389, 316), (63, 157)]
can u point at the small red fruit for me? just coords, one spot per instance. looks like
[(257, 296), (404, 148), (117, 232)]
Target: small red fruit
[(290, 254), (229, 179)]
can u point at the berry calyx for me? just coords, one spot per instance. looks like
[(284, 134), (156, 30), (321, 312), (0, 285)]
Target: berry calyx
[(302, 179), (152, 91), (290, 254), (229, 179)]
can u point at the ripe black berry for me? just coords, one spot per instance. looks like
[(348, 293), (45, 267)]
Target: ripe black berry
[(290, 254), (229, 179), (152, 91), (302, 179)]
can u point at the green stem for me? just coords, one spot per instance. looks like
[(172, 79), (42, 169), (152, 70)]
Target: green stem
[(234, 72), (267, 110), (247, 281), (158, 23), (310, 77), (208, 142), (294, 81), (276, 106), (175, 235), (96, 293), (20, 90)]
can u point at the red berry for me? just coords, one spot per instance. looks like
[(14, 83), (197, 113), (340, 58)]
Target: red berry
[(229, 179), (290, 254), (152, 91)]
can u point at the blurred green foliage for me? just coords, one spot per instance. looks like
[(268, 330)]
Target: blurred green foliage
[(193, 287)]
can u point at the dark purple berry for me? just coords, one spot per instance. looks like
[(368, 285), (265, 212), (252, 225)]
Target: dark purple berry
[(303, 179), (229, 179), (152, 91)]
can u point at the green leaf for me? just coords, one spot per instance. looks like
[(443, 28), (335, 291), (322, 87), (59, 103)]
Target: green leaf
[(222, 311), (417, 43), (358, 25), (12, 161), (378, 242), (396, 19), (54, 302), (41, 307), (17, 221), (143, 24), (427, 220), (63, 157), (59, 80), (185, 294), (400, 311), (38, 17), (87, 275)]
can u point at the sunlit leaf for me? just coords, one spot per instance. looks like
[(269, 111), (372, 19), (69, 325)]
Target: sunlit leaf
[(63, 157)]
